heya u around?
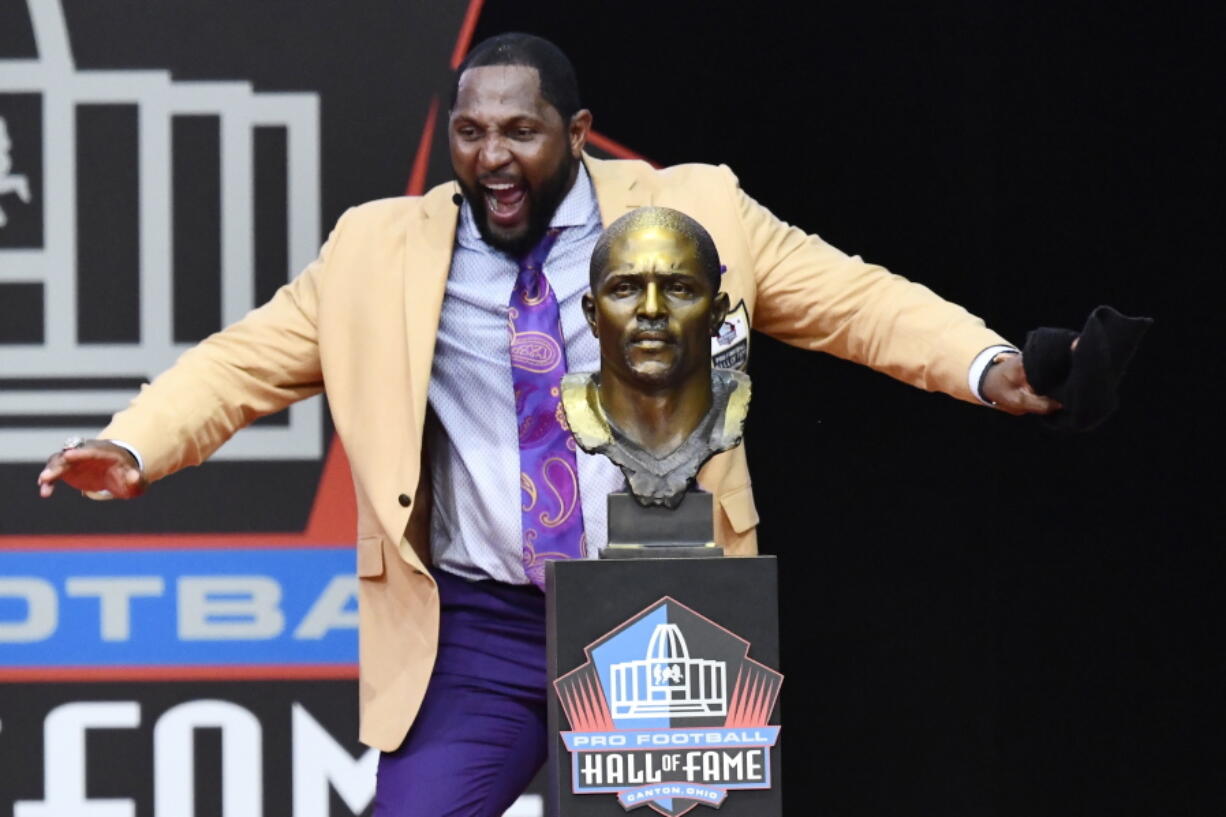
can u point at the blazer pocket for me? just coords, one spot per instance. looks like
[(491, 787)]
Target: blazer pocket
[(370, 556), (738, 505)]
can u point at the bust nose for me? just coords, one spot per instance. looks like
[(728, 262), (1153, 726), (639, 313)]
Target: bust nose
[(652, 305)]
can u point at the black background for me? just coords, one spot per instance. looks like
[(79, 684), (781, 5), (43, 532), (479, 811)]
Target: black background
[(980, 617)]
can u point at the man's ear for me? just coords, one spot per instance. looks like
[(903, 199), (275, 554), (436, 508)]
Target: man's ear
[(580, 125), (589, 313), (719, 311)]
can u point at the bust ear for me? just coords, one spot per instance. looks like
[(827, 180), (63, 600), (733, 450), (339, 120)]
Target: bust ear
[(719, 311), (589, 313)]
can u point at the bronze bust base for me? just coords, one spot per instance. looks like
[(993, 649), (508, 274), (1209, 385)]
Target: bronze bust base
[(643, 532)]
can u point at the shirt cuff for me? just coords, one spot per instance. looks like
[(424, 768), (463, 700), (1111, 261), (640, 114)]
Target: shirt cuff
[(140, 466), (140, 462), (978, 366)]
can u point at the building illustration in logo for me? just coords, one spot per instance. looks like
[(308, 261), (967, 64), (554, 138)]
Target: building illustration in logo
[(10, 182), (60, 384), (669, 712), (667, 682)]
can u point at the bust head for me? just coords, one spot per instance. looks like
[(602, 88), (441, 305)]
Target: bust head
[(655, 300), (657, 408)]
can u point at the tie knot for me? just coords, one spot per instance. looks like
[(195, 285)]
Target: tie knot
[(535, 258), (531, 279)]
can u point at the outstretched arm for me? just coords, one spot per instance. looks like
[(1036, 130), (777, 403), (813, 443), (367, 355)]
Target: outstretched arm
[(255, 367), (813, 295)]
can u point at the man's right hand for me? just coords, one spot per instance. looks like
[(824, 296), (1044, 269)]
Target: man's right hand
[(94, 465)]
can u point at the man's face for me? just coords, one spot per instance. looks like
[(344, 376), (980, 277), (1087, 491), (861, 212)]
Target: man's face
[(513, 155), (654, 309)]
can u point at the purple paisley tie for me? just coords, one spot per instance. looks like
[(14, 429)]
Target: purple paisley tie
[(552, 514)]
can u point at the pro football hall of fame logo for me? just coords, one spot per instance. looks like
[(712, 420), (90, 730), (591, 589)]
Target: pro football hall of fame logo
[(669, 712)]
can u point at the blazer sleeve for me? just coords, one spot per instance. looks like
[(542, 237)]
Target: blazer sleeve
[(255, 367), (812, 295)]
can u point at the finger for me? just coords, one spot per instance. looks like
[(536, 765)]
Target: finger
[(1024, 398), (1025, 401), (1014, 371), (1012, 406), (87, 453), (1038, 404), (136, 483), (54, 460), (121, 481), (51, 472), (81, 461), (54, 471)]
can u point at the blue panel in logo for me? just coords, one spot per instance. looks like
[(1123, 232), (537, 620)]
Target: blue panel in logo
[(623, 652)]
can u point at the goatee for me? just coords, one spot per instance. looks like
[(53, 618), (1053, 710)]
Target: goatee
[(543, 204)]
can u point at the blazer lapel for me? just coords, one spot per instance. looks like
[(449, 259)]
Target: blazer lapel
[(617, 190), (428, 245)]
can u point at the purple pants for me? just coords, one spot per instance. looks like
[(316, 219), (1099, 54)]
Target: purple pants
[(480, 736)]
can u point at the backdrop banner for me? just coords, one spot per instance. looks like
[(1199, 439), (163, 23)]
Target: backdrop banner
[(163, 169)]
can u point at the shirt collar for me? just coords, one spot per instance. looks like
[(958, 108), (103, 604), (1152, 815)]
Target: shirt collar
[(578, 208)]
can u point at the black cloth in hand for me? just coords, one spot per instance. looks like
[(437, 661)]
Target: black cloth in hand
[(1085, 379)]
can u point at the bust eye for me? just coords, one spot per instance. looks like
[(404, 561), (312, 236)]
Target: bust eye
[(624, 288), (680, 288)]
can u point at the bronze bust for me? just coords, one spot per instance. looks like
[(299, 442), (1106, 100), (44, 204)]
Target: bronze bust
[(657, 408)]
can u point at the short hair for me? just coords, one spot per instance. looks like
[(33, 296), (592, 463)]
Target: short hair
[(666, 218), (559, 87)]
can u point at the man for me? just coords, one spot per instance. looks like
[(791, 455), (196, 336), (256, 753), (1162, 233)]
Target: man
[(404, 319), (657, 408)]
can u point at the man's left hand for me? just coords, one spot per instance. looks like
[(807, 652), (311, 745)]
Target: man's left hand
[(1005, 385)]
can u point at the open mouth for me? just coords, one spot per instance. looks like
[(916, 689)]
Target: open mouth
[(505, 202)]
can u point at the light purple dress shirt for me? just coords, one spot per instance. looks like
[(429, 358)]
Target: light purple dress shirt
[(476, 523)]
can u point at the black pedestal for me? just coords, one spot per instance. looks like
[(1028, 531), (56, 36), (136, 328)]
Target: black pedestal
[(665, 692)]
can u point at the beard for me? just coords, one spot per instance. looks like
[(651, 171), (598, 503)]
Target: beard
[(542, 204)]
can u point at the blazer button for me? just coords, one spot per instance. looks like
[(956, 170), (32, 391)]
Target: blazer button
[(404, 500)]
